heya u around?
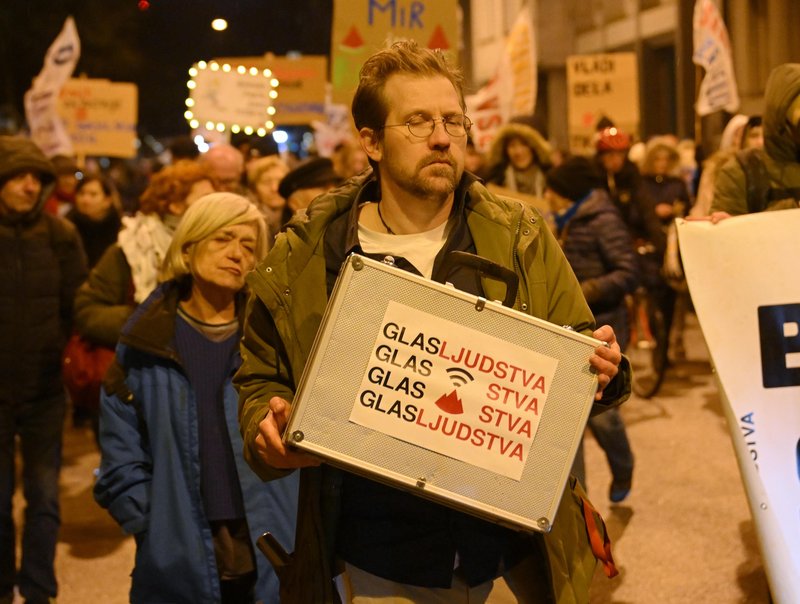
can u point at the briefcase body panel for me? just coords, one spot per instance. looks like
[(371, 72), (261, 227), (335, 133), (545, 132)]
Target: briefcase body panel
[(452, 397)]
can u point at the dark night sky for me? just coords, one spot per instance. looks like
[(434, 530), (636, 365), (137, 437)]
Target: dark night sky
[(153, 48)]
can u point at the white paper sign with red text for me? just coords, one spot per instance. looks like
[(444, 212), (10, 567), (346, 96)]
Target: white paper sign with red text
[(454, 390)]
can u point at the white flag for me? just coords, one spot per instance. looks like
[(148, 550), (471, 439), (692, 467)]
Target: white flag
[(512, 90), (47, 128), (712, 51)]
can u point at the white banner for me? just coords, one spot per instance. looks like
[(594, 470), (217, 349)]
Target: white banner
[(712, 51), (47, 129), (512, 91), (454, 390), (742, 274)]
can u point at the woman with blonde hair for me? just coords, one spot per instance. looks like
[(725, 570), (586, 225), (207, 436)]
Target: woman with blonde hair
[(172, 471), (263, 177)]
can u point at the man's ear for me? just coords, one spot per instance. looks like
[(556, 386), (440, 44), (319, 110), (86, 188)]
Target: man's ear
[(371, 144), (793, 114)]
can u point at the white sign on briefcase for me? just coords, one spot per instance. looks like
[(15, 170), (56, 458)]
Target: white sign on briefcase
[(427, 388)]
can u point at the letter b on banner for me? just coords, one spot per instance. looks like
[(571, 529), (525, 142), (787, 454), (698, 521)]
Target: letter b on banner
[(779, 331)]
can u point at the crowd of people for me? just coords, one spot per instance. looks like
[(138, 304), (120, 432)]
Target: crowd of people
[(208, 353)]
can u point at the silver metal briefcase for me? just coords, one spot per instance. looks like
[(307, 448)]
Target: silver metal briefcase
[(452, 397)]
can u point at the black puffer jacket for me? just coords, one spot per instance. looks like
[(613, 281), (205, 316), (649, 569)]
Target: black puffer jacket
[(41, 265), (599, 248)]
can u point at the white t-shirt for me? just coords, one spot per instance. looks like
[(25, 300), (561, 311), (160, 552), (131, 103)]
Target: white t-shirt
[(419, 249)]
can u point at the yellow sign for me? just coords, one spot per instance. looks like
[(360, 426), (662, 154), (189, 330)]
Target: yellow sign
[(301, 91), (597, 86), (360, 27), (100, 116)]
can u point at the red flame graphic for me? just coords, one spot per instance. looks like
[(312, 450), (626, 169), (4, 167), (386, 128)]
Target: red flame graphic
[(450, 403)]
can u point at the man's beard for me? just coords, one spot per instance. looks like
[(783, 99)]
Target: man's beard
[(441, 180)]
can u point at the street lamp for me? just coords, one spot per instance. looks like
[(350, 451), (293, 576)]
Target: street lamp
[(219, 24)]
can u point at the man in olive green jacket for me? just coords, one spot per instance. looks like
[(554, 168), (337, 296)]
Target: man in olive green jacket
[(383, 538), (780, 156)]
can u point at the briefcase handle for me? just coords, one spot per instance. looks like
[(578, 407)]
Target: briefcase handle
[(484, 268)]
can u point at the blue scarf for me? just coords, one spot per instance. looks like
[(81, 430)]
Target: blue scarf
[(563, 219)]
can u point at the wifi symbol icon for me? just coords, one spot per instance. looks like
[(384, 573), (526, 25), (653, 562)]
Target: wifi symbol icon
[(459, 376)]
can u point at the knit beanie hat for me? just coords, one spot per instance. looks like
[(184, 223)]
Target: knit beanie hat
[(574, 179)]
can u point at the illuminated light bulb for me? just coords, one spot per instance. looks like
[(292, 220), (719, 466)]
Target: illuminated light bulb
[(270, 125), (193, 72), (274, 82), (194, 124), (202, 65), (241, 69), (267, 73), (190, 102), (261, 132), (248, 130), (236, 128), (226, 68), (188, 115), (254, 71), (191, 85), (220, 127), (219, 24), (271, 110), (214, 66), (273, 94), (209, 125)]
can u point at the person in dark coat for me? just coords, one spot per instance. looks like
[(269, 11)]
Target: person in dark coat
[(41, 265), (598, 246), (96, 215)]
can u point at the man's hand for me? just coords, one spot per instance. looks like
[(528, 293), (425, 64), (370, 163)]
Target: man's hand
[(713, 218), (270, 447), (606, 359)]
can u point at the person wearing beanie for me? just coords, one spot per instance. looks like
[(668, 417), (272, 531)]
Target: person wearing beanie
[(621, 178), (42, 263), (598, 246), (308, 180)]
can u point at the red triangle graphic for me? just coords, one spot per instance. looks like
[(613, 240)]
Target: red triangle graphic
[(353, 39), (438, 39)]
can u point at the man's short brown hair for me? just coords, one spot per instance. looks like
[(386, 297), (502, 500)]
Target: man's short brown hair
[(370, 107)]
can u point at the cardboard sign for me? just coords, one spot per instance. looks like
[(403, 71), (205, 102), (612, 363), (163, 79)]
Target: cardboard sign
[(601, 85), (454, 390), (743, 279), (361, 27), (100, 116), (301, 89)]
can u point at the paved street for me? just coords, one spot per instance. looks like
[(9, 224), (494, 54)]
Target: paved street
[(683, 536)]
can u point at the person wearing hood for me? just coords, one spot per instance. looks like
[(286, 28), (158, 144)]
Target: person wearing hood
[(780, 156), (599, 248), (42, 263), (519, 158)]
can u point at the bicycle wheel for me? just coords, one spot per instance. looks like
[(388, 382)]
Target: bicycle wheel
[(647, 352)]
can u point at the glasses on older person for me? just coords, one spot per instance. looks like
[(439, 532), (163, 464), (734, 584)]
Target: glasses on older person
[(422, 127)]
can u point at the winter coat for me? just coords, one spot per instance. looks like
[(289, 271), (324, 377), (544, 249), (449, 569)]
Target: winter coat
[(150, 469), (96, 235), (41, 265), (657, 189), (782, 152), (285, 309), (109, 296), (600, 250)]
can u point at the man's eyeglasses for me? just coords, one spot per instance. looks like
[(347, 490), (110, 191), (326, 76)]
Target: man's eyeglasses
[(420, 127)]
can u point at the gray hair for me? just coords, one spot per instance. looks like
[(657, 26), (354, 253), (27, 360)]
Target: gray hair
[(205, 216)]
